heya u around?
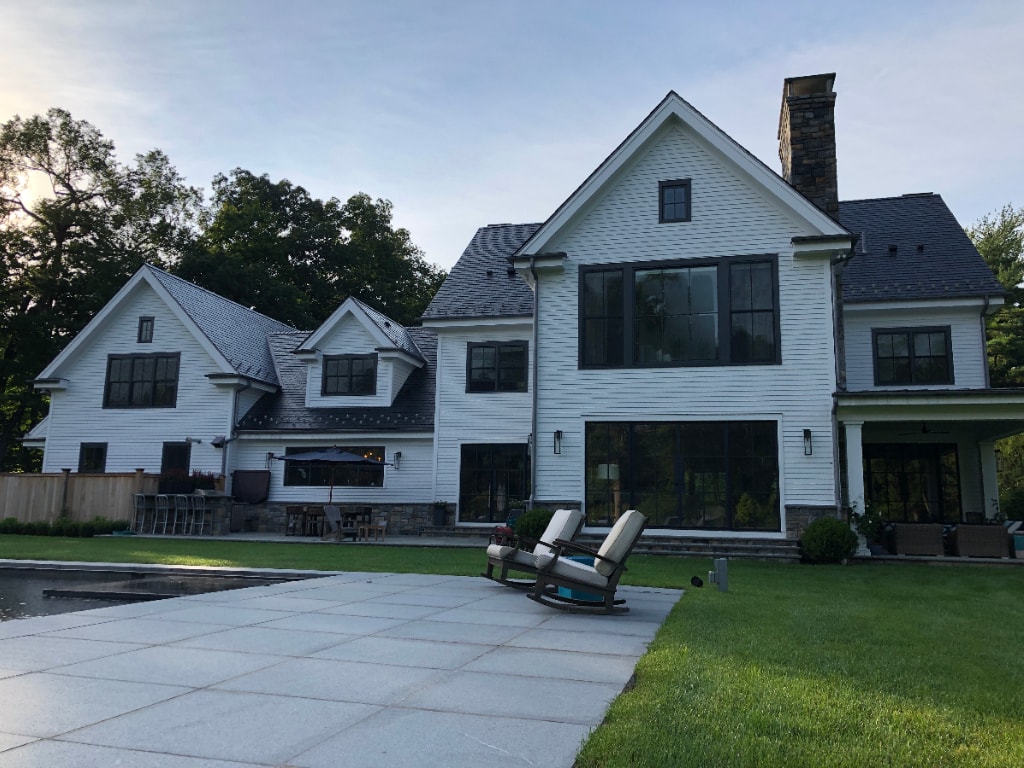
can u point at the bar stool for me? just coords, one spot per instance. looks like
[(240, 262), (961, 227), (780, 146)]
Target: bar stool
[(139, 512), (182, 513), (198, 514), (162, 513)]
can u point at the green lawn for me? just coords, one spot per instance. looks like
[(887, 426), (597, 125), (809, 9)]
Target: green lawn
[(868, 665)]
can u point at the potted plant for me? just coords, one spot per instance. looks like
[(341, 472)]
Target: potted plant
[(203, 481), (440, 513), (871, 525)]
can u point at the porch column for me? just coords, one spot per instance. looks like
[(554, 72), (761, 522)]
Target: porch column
[(855, 463), (989, 478)]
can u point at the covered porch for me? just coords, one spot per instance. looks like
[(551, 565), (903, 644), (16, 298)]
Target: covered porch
[(926, 457)]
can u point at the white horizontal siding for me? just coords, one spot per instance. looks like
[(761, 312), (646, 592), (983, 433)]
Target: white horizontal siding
[(411, 483), (473, 417), (135, 436), (729, 217), (967, 341)]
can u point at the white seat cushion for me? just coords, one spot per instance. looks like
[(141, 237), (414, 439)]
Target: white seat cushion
[(564, 524), (511, 554), (616, 546), (581, 572)]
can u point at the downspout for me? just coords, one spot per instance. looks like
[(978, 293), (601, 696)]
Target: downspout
[(232, 433), (532, 447), (836, 265), (984, 342)]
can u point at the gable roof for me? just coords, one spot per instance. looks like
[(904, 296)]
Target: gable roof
[(238, 333), (286, 411), (674, 108), (481, 283), (933, 257), (386, 331), (232, 334)]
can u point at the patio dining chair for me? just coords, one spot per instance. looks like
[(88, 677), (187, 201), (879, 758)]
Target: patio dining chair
[(565, 524), (570, 585), (332, 521)]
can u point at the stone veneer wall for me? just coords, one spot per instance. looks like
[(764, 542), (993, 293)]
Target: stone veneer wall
[(270, 517), (798, 517)]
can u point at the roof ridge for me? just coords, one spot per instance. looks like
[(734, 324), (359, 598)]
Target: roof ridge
[(905, 196), (215, 295)]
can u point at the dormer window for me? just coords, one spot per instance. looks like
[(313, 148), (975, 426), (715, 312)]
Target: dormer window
[(674, 199), (350, 375), (145, 330)]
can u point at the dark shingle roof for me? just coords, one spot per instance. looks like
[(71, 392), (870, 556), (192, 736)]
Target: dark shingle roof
[(285, 410), (398, 335), (479, 284), (933, 257), (238, 333)]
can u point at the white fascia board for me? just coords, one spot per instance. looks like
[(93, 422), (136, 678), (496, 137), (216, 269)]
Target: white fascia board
[(389, 354), (993, 303), (823, 247), (233, 381), (348, 307), (465, 323), (673, 107), (943, 406)]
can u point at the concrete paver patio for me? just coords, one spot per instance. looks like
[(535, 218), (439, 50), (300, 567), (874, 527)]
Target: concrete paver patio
[(355, 669)]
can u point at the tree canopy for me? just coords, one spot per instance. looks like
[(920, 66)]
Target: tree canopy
[(273, 247), (999, 238), (74, 225)]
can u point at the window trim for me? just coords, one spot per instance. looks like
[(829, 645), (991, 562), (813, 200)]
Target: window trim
[(946, 330), (145, 333), (82, 448), (497, 345), (324, 392), (686, 184), (156, 356), (724, 324)]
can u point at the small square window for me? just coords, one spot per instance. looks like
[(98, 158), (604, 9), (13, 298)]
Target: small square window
[(674, 201), (145, 330), (92, 458)]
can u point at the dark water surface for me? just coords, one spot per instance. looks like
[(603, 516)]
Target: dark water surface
[(23, 590)]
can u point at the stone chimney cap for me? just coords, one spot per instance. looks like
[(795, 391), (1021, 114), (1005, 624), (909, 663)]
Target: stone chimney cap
[(809, 85)]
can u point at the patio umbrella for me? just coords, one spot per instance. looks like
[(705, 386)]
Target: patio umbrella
[(329, 457)]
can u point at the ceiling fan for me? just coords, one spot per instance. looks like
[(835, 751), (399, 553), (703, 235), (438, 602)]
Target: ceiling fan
[(925, 430)]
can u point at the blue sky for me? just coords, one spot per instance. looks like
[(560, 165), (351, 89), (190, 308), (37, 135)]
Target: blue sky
[(471, 113)]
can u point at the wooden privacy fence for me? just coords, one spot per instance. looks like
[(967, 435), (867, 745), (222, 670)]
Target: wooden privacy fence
[(81, 497)]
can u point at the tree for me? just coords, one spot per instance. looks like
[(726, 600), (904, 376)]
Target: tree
[(273, 247), (999, 239), (74, 225)]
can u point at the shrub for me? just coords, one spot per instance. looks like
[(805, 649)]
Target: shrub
[(10, 525), (532, 524), (828, 540), (41, 528)]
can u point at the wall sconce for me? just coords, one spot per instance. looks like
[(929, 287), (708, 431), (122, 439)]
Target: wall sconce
[(270, 458), (558, 441), (396, 460), (807, 443), (190, 440)]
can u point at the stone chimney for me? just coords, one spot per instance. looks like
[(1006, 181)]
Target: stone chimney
[(807, 139)]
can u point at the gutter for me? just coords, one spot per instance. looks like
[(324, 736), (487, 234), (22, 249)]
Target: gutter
[(532, 446)]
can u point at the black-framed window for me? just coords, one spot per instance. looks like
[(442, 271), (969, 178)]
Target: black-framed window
[(350, 375), (141, 381), (674, 201), (912, 356), (496, 366), (696, 474), (337, 474), (913, 482), (694, 312), (92, 457), (145, 330), (493, 478)]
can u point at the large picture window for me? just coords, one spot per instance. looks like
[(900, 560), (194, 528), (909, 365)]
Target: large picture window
[(714, 475), (337, 474), (913, 356), (350, 375), (141, 381), (715, 312), (496, 367)]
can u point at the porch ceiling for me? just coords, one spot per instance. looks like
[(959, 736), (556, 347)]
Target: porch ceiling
[(982, 414)]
